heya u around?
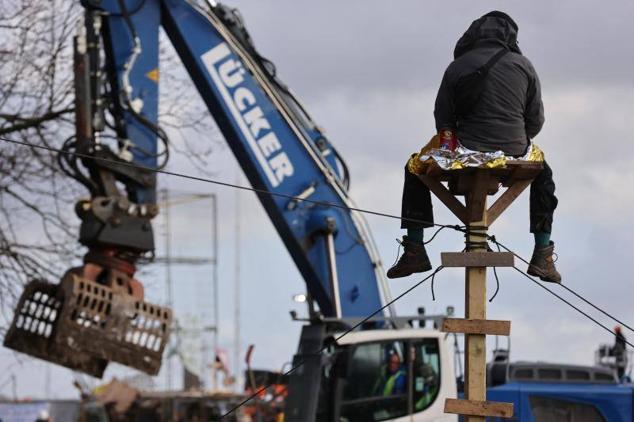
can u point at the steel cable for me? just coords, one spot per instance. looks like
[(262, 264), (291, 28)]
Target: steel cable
[(570, 290), (232, 185), (569, 303), (459, 228), (462, 229)]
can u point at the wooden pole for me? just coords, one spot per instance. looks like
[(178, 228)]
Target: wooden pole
[(475, 308), (476, 185)]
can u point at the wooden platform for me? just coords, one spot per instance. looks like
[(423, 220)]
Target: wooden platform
[(461, 181), (475, 184)]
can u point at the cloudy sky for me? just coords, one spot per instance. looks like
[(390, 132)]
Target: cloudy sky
[(368, 72)]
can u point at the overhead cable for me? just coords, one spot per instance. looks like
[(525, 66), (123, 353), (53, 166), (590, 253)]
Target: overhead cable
[(569, 304), (494, 240), (459, 228), (231, 185)]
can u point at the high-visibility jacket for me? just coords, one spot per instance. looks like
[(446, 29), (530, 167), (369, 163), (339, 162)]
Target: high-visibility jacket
[(398, 378)]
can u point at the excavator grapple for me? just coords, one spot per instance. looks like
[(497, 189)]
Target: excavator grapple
[(97, 313), (114, 326), (82, 325), (36, 330)]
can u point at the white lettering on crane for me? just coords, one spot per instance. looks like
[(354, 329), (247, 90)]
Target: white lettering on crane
[(256, 121), (243, 98), (227, 73)]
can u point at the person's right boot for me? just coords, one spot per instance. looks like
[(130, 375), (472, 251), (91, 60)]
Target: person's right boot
[(413, 260), (542, 264)]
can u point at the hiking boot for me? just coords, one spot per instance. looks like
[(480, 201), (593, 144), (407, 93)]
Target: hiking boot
[(542, 264), (413, 260)]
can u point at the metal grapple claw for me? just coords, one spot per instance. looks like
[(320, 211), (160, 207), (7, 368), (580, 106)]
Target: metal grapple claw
[(114, 326), (82, 324), (35, 326)]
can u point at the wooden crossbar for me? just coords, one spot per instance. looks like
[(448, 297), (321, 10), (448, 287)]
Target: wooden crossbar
[(479, 408), (476, 326), (446, 197), (507, 199), (477, 259)]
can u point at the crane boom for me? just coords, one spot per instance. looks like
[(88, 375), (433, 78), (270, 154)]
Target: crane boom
[(97, 313), (297, 173), (279, 147)]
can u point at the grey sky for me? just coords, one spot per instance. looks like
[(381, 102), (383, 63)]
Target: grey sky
[(375, 45), (368, 72)]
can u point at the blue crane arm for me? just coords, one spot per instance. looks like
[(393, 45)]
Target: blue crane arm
[(275, 141)]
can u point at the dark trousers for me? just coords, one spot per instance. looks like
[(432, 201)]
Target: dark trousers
[(417, 202)]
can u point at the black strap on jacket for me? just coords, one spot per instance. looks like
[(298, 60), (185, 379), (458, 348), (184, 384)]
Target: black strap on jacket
[(469, 87)]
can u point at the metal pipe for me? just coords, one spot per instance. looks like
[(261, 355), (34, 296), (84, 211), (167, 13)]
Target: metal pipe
[(168, 272), (332, 273), (215, 277), (236, 317)]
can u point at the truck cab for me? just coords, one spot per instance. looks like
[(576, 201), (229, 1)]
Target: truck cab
[(378, 374), (395, 375)]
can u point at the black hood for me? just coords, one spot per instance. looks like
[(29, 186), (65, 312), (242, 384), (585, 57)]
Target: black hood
[(493, 28)]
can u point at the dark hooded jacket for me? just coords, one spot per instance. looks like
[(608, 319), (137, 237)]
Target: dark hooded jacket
[(510, 110)]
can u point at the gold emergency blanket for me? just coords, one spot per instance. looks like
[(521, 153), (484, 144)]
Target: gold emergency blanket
[(462, 157)]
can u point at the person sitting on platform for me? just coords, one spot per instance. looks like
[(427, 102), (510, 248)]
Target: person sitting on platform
[(503, 111)]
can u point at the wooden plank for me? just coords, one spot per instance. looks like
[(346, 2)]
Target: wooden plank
[(477, 195), (475, 308), (477, 259), (522, 170), (507, 199), (479, 408), (443, 194), (519, 170), (462, 182), (476, 326), (434, 170)]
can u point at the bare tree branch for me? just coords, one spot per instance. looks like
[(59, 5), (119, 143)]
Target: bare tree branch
[(38, 228), (29, 122)]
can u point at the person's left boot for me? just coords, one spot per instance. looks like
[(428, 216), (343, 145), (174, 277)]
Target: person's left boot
[(413, 260), (542, 264)]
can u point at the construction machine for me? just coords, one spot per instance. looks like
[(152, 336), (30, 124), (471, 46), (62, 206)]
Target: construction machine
[(386, 369)]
